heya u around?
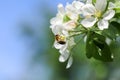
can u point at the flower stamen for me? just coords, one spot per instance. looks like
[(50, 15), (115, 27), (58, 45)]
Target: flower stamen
[(98, 14)]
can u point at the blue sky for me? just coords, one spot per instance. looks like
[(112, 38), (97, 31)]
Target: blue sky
[(13, 56), (12, 50)]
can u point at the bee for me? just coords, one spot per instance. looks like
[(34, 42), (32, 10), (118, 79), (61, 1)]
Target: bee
[(60, 39)]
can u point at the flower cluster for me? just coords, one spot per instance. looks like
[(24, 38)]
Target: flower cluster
[(85, 17), (65, 21)]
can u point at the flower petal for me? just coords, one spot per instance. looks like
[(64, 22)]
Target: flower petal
[(109, 14), (108, 40), (88, 22), (85, 38), (64, 57), (65, 33), (111, 5), (63, 50), (89, 1), (70, 25), (72, 12), (55, 21), (69, 8), (57, 29), (100, 5), (70, 61), (61, 9), (57, 45), (77, 4), (103, 24), (88, 9)]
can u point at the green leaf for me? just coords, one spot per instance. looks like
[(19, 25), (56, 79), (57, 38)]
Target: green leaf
[(90, 46), (117, 26), (103, 48), (110, 33), (104, 51), (93, 1), (97, 47), (91, 49), (117, 15), (66, 19), (113, 31), (117, 8)]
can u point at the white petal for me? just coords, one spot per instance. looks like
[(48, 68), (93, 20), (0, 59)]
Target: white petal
[(57, 29), (109, 14), (88, 9), (89, 1), (55, 21), (88, 22), (70, 25), (63, 50), (103, 24), (77, 4), (61, 9), (65, 33), (64, 57), (72, 12), (51, 26), (57, 45), (69, 8), (108, 41), (111, 5), (70, 61), (100, 5), (85, 38), (74, 16)]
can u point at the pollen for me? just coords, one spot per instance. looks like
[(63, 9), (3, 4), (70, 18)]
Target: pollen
[(98, 14), (60, 38)]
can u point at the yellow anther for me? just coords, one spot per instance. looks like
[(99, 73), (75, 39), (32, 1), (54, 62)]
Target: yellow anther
[(98, 14), (60, 38)]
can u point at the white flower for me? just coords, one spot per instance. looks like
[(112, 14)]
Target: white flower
[(65, 51), (68, 16), (74, 10), (66, 20), (64, 44), (97, 13), (63, 41)]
